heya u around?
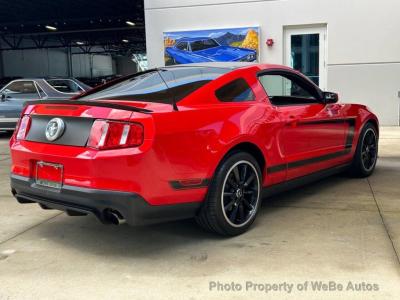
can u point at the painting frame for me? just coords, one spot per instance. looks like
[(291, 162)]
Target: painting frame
[(227, 44)]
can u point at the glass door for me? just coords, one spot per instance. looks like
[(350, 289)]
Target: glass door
[(305, 51)]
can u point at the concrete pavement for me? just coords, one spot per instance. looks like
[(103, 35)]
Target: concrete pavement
[(337, 231)]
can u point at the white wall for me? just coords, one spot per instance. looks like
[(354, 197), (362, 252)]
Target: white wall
[(363, 62)]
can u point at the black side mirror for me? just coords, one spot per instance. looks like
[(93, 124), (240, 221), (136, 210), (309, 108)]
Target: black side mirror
[(330, 97), (3, 97)]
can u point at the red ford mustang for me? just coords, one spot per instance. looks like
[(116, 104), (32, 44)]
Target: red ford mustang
[(204, 141)]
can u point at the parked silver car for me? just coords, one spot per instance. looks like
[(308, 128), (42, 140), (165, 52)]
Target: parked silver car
[(17, 92)]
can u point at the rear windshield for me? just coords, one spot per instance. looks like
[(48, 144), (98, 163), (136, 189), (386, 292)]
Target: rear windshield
[(163, 86), (64, 85)]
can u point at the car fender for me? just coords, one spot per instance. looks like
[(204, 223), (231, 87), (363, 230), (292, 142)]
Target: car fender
[(236, 144), (362, 115), (227, 142)]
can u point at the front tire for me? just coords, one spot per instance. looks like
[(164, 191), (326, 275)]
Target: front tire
[(366, 154), (234, 196)]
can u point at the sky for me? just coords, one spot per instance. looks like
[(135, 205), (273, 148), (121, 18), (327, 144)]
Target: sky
[(213, 33)]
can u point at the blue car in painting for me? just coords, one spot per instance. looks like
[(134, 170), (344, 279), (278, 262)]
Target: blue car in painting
[(204, 49)]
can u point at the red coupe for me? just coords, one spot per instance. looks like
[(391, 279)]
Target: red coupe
[(205, 141)]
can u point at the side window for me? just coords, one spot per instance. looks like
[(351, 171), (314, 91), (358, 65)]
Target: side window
[(287, 90), (203, 44), (64, 85), (20, 89), (235, 91), (15, 87), (182, 46)]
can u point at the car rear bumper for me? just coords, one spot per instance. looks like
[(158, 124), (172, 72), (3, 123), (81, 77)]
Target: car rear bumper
[(8, 123), (133, 208), (142, 170)]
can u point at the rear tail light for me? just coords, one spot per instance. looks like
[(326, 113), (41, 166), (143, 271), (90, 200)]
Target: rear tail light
[(23, 127), (112, 135)]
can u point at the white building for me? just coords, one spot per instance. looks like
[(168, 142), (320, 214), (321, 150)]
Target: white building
[(358, 43)]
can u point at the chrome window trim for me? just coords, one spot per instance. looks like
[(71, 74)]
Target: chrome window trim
[(76, 93), (38, 85)]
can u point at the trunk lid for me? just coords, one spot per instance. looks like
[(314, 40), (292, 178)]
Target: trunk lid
[(79, 116)]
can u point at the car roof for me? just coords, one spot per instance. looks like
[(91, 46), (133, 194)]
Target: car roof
[(231, 65), (192, 39), (225, 65), (44, 78)]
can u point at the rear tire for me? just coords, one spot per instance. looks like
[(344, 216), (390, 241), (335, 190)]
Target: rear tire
[(233, 197), (366, 154)]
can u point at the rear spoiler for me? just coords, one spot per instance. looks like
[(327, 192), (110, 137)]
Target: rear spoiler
[(90, 103)]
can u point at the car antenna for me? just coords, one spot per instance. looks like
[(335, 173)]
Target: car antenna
[(169, 92)]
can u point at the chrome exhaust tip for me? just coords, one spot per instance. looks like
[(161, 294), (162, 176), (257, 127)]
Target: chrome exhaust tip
[(114, 217)]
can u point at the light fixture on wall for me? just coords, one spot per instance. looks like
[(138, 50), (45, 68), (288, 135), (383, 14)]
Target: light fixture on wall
[(270, 42), (130, 23), (52, 28)]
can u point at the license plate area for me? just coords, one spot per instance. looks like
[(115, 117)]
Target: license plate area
[(49, 174)]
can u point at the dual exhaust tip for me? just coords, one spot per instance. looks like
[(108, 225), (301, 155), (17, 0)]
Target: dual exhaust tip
[(113, 217), (109, 215)]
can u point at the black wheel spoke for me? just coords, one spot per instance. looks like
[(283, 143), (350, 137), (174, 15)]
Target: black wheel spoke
[(229, 205), (249, 180), (248, 205), (236, 173), (366, 162), (244, 173), (369, 158), (241, 212), (231, 182), (370, 139), (233, 215), (228, 194)]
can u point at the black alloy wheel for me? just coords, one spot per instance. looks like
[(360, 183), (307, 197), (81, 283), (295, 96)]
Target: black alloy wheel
[(233, 197), (366, 154), (369, 153), (240, 193)]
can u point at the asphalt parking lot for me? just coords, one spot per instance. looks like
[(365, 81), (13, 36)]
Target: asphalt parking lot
[(340, 230)]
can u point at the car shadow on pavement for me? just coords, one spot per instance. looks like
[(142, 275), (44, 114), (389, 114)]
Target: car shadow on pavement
[(298, 195), (89, 235)]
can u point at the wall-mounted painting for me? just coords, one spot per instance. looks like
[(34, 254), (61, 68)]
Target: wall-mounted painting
[(231, 44)]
